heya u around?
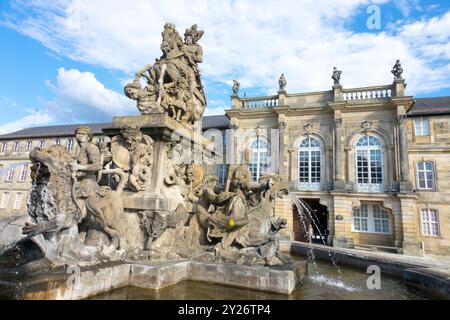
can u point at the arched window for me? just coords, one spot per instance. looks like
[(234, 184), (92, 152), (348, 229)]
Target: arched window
[(259, 160), (310, 164), (369, 164)]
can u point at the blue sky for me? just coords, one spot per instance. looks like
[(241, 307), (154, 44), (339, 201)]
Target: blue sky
[(67, 61)]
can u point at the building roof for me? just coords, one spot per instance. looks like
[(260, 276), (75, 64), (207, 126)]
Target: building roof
[(430, 106), (219, 122)]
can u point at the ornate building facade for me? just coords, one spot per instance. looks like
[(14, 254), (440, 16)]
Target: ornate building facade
[(369, 163)]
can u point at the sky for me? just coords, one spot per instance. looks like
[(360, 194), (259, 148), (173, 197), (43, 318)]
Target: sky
[(67, 61)]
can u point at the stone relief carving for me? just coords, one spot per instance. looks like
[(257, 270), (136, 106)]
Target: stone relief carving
[(173, 83), (356, 203), (337, 122), (401, 119), (369, 125), (308, 128)]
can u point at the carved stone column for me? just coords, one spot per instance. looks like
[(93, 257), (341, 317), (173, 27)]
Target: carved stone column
[(339, 183), (405, 183)]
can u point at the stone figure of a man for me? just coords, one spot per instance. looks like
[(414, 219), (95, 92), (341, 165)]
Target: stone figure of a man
[(86, 168)]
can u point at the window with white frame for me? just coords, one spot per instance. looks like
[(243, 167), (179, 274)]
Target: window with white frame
[(58, 141), (309, 164), (10, 175), (41, 143), (16, 146), (369, 164), (430, 222), (29, 145), (360, 217), (425, 175), (372, 218), (5, 200), (70, 144), (3, 147), (23, 173), (18, 201), (259, 159), (421, 127)]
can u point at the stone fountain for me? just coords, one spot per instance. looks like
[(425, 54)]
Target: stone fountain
[(143, 209)]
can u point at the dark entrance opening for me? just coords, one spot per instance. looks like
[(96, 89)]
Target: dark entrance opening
[(319, 226)]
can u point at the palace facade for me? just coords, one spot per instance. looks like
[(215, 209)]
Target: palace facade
[(371, 164)]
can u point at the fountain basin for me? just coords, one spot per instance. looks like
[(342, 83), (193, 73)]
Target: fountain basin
[(90, 281)]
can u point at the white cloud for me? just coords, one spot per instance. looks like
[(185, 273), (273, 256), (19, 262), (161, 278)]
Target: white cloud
[(253, 42), (80, 97), (35, 118)]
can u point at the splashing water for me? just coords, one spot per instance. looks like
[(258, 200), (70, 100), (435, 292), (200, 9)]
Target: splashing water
[(304, 212), (324, 280)]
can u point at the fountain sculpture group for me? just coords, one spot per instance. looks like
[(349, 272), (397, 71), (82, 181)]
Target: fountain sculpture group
[(144, 196)]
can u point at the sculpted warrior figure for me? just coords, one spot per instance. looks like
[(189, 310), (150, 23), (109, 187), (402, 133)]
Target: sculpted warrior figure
[(282, 83), (173, 83), (397, 70), (336, 76)]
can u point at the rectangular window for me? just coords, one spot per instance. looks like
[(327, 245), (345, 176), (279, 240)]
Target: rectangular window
[(5, 200), (422, 127), (3, 147), (380, 219), (425, 175), (430, 224), (58, 141), (70, 144), (360, 218), (29, 145), (371, 217), (222, 173), (10, 175), (23, 173), (42, 144), (18, 201), (16, 146)]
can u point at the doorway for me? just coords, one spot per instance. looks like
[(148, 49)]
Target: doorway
[(319, 227)]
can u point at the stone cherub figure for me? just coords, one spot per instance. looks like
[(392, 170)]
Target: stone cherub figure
[(336, 76), (282, 83), (397, 70), (235, 88)]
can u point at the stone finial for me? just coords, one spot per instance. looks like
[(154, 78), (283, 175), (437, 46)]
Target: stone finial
[(336, 76), (397, 70), (282, 83), (236, 85)]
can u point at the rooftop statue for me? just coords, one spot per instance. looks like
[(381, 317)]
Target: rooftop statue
[(173, 83), (235, 88), (336, 76), (397, 70), (282, 83)]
